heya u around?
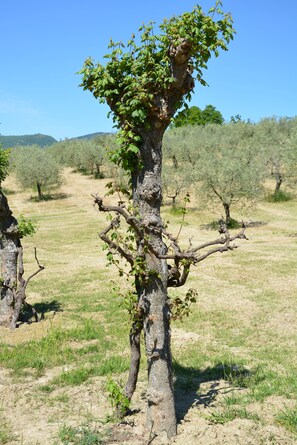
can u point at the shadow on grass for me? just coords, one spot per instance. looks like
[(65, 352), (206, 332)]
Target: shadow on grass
[(214, 225), (29, 312), (50, 197), (188, 381)]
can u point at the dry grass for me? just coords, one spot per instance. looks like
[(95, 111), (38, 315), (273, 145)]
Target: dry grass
[(239, 341)]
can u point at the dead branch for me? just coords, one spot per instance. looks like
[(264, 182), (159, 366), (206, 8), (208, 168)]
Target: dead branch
[(183, 259), (111, 244), (20, 293)]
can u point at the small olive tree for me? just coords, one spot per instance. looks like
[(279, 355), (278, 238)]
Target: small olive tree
[(145, 83), (86, 156), (36, 168), (223, 162), (274, 140)]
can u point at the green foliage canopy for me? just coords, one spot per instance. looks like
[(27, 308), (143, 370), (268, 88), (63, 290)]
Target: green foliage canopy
[(35, 167), (85, 155), (138, 76), (195, 116), (4, 164), (223, 161)]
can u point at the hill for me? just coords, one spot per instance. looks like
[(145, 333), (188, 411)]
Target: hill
[(42, 140), (91, 136)]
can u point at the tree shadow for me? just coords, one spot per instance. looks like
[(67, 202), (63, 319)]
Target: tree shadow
[(188, 381), (50, 197), (30, 311)]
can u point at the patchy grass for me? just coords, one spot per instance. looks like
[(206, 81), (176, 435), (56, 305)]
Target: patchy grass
[(241, 330), (288, 418), (82, 435), (6, 430), (279, 196), (232, 413)]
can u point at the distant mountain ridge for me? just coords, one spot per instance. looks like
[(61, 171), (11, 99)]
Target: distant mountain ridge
[(91, 136), (42, 140)]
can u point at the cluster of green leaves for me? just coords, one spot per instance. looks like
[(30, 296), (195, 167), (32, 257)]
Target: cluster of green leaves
[(138, 74), (26, 226), (117, 397), (195, 116), (4, 163), (181, 308)]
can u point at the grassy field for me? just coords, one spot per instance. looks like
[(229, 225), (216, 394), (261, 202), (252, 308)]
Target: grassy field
[(235, 356)]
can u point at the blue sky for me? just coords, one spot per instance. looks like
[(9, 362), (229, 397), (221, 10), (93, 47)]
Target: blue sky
[(45, 42)]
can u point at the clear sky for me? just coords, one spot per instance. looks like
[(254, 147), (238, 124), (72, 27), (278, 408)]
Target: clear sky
[(45, 42)]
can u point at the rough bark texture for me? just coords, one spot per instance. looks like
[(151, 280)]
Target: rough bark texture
[(9, 252), (278, 182), (153, 299), (227, 213), (135, 356), (40, 195)]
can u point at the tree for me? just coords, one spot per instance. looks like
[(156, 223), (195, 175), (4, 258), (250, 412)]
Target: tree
[(195, 116), (176, 179), (224, 162), (4, 164), (36, 167), (86, 155), (274, 140), (144, 85)]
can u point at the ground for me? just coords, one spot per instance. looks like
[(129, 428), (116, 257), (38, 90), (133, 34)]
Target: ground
[(235, 322)]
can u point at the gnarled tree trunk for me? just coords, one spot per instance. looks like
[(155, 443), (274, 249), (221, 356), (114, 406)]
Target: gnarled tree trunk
[(227, 213), (153, 298), (9, 252)]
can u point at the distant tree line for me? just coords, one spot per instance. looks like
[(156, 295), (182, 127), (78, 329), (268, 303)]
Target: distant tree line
[(222, 162), (229, 163)]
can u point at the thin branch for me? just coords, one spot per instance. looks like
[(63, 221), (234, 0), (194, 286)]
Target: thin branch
[(112, 245), (40, 268), (121, 210)]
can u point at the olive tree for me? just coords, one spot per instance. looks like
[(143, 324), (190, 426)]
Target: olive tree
[(223, 162), (87, 156), (12, 282), (36, 168), (274, 140), (144, 83)]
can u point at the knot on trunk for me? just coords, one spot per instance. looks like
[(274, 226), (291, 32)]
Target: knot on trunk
[(154, 397), (180, 52)]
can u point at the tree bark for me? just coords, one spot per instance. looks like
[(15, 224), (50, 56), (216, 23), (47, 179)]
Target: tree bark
[(9, 252), (135, 356), (278, 182), (40, 195), (152, 294), (227, 213)]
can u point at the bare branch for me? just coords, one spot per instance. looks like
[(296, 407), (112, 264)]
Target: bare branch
[(40, 268), (112, 245), (121, 210)]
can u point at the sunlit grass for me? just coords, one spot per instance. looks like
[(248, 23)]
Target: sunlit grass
[(241, 329)]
